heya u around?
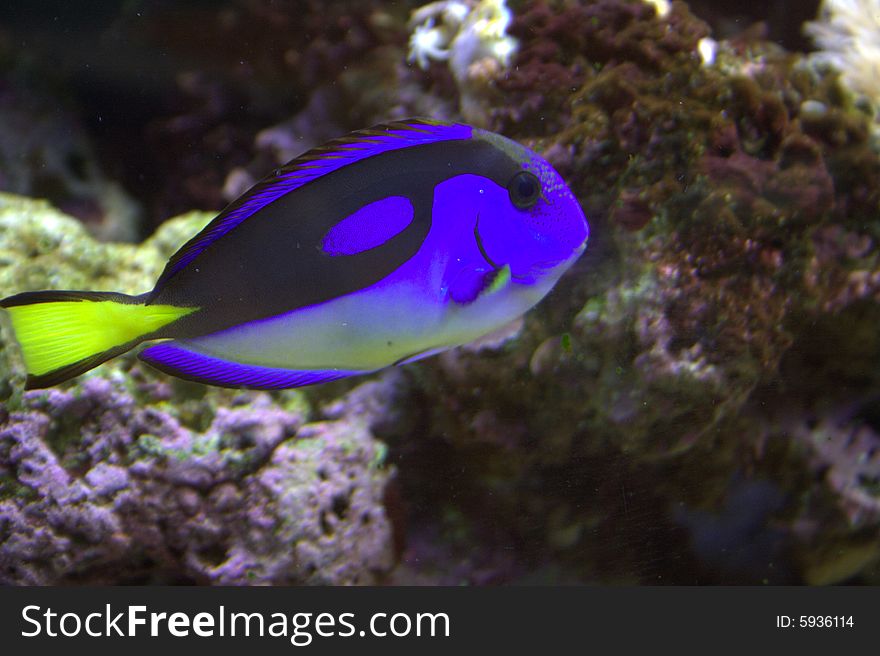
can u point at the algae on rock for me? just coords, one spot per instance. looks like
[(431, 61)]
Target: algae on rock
[(41, 248), (122, 475)]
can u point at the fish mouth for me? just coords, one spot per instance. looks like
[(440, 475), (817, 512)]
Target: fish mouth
[(483, 252)]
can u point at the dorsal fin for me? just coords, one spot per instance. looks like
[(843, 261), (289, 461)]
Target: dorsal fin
[(309, 166)]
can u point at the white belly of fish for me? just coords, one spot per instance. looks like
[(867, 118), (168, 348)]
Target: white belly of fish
[(368, 330)]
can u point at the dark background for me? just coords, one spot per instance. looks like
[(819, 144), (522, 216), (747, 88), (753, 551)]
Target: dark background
[(165, 97)]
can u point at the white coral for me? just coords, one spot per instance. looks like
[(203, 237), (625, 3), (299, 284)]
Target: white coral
[(471, 35), (848, 33), (427, 43), (662, 7), (850, 457), (462, 32)]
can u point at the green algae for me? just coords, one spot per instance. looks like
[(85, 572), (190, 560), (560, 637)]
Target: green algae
[(11, 488), (733, 213)]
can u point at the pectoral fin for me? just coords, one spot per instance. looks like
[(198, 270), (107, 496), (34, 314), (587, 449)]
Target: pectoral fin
[(472, 282)]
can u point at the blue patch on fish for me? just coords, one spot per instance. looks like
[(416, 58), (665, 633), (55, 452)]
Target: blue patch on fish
[(378, 248), (369, 227), (311, 166)]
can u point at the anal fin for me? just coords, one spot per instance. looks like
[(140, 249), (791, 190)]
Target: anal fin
[(177, 360)]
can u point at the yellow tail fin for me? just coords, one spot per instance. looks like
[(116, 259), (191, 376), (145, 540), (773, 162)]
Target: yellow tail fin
[(63, 334)]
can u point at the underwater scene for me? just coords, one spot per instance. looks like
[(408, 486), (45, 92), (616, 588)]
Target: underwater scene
[(464, 292)]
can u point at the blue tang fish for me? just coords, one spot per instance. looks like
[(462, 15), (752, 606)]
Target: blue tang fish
[(378, 248)]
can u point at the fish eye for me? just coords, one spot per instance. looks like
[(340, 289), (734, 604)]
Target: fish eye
[(524, 190)]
